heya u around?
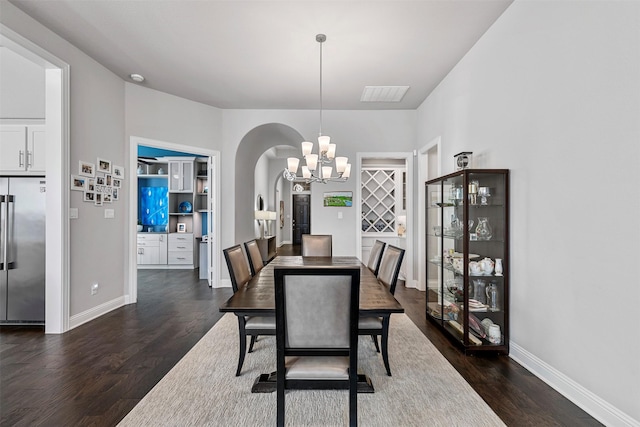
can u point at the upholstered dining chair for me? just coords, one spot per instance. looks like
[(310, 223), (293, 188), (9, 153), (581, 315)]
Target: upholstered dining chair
[(316, 245), (317, 332), (247, 325), (254, 255), (379, 326), (375, 256)]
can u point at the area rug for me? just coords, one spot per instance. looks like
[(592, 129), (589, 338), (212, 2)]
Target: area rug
[(202, 389)]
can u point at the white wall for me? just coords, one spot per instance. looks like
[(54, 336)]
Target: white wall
[(97, 130), (21, 86), (353, 131), (552, 91)]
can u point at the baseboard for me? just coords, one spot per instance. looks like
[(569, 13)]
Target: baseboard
[(285, 242), (95, 312), (413, 284), (224, 283), (595, 406)]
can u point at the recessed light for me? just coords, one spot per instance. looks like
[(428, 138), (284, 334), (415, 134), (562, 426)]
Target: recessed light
[(139, 78)]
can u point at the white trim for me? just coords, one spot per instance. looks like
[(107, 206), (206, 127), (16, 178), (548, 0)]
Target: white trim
[(594, 405), (57, 112), (95, 312), (423, 176), (131, 290), (225, 283)]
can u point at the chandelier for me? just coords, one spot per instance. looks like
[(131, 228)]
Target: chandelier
[(318, 166)]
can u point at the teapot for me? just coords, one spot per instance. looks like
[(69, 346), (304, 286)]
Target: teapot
[(475, 268), (486, 265)]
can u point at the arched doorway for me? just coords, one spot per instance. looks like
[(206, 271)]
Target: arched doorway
[(285, 141)]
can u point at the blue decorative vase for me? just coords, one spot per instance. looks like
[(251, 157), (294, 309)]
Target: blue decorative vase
[(185, 207)]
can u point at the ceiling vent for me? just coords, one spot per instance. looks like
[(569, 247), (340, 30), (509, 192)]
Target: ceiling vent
[(383, 93)]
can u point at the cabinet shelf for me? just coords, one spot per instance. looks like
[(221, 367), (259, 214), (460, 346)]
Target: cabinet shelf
[(471, 309)]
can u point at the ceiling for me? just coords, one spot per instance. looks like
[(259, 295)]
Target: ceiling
[(264, 55)]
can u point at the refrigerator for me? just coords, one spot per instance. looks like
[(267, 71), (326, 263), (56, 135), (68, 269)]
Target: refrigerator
[(22, 250)]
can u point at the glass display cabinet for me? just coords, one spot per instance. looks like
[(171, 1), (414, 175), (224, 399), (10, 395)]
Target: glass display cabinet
[(467, 227)]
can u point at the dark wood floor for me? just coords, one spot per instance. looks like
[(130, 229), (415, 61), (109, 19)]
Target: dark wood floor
[(95, 374)]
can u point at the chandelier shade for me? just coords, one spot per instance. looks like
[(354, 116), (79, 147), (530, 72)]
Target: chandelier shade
[(317, 166)]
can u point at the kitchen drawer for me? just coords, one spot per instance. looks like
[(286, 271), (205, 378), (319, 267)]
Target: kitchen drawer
[(180, 247), (180, 257), (151, 239), (186, 238)]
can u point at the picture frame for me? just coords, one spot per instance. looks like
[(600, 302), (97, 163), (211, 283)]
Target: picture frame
[(182, 227), (338, 199), (91, 185), (104, 165), (118, 172), (281, 213), (115, 194), (116, 183), (106, 198), (78, 183), (86, 168), (98, 199), (89, 196), (99, 180), (107, 180), (473, 236)]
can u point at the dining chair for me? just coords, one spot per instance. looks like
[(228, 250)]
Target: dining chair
[(247, 325), (375, 256), (317, 332), (254, 255), (379, 326), (316, 245)]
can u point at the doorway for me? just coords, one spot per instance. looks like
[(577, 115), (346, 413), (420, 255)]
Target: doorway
[(212, 193), (56, 115), (301, 217)]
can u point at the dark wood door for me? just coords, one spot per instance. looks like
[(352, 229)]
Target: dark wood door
[(301, 217)]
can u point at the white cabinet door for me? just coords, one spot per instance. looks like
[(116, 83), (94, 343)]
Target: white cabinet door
[(36, 148), (181, 176), (162, 249), (13, 144), (148, 254)]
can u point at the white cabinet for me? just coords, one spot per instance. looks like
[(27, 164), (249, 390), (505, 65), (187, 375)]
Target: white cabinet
[(22, 148), (181, 176), (180, 249), (152, 249)]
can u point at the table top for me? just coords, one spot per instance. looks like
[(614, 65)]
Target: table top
[(257, 296)]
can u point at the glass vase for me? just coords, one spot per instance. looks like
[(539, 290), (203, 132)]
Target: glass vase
[(483, 230)]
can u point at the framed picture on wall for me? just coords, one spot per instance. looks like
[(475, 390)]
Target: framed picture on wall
[(104, 166), (78, 183), (281, 213), (338, 199), (118, 172), (86, 168)]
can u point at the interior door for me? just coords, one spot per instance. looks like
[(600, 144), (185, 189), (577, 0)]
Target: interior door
[(301, 217), (212, 251)]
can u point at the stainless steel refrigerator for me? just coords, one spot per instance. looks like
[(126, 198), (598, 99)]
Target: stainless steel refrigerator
[(22, 250)]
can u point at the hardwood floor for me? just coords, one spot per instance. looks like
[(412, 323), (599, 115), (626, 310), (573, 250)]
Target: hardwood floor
[(95, 374)]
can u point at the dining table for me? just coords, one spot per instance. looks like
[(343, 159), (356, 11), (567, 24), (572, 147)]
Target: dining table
[(256, 298)]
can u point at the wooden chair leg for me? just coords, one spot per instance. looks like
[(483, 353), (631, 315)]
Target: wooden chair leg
[(375, 342), (254, 338), (385, 341), (243, 344)]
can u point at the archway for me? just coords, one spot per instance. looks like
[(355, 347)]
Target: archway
[(251, 147)]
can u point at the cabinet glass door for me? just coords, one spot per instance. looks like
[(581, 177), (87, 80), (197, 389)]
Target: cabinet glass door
[(433, 210), (488, 239)]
